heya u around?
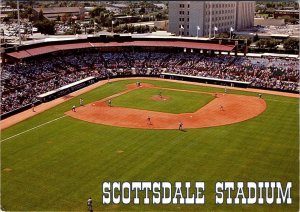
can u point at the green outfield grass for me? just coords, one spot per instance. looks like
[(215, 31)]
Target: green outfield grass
[(59, 165), (178, 102)]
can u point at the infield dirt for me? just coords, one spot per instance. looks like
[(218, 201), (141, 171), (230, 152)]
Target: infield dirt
[(223, 110)]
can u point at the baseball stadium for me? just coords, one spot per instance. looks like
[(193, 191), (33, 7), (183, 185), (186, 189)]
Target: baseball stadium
[(77, 113)]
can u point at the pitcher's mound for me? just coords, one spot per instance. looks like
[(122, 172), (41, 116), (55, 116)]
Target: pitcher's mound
[(160, 98)]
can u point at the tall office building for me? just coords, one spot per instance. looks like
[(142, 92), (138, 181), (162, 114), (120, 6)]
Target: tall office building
[(192, 18)]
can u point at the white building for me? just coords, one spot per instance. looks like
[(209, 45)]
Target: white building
[(192, 18)]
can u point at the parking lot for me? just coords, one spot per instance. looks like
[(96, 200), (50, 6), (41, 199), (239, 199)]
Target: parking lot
[(287, 30)]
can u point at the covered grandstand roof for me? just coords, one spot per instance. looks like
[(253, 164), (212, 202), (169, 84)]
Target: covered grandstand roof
[(151, 43), (180, 44)]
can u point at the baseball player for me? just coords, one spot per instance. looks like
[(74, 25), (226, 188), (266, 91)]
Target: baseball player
[(221, 108), (180, 127), (81, 102), (160, 94), (74, 108), (149, 121), (90, 204), (32, 107), (109, 102), (260, 96)]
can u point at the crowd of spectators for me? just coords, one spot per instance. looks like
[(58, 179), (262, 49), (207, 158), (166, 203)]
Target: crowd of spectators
[(270, 73), (22, 82)]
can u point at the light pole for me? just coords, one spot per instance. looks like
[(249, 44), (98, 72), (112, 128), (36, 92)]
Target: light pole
[(19, 33), (210, 18)]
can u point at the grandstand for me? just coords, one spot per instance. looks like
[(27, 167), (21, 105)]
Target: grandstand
[(34, 70)]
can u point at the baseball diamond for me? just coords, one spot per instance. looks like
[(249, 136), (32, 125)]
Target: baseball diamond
[(238, 108), (78, 114), (69, 158)]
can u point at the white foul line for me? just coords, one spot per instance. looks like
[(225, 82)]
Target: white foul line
[(32, 128)]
